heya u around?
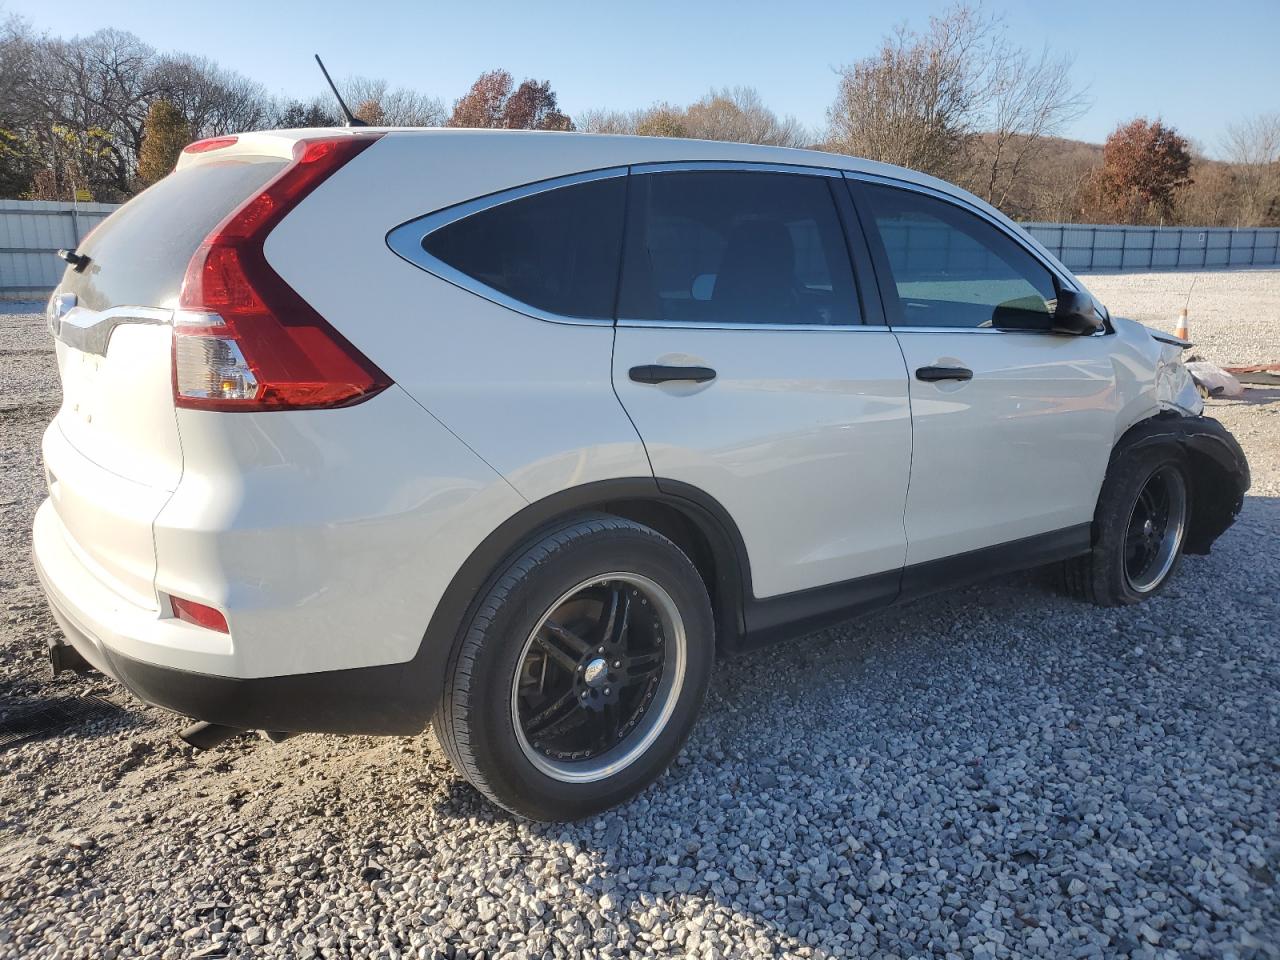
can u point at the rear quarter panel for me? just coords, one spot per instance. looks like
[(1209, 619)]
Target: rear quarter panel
[(533, 398)]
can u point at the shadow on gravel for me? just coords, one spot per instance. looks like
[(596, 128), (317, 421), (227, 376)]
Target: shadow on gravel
[(996, 758), (1259, 396), (23, 719)]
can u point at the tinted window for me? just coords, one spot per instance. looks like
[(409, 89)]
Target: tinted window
[(556, 250), (735, 247), (952, 268), (139, 255)]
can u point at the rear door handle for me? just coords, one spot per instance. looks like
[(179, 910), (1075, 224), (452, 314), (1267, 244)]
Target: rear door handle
[(661, 373), (936, 374)]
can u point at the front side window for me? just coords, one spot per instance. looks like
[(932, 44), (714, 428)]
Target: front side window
[(735, 247), (953, 269), (556, 251)]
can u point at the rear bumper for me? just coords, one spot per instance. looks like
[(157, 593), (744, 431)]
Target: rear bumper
[(383, 699)]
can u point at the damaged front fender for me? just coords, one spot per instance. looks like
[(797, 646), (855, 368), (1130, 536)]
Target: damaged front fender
[(1175, 388), (1218, 467)]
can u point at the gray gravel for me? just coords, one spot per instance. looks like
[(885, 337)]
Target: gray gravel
[(995, 772), (1234, 315)]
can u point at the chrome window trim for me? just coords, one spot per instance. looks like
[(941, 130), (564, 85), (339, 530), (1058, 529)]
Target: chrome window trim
[(998, 331), (742, 166), (715, 325), (1066, 279), (406, 242)]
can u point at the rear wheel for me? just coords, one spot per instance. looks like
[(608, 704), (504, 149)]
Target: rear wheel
[(581, 671), (1139, 527)]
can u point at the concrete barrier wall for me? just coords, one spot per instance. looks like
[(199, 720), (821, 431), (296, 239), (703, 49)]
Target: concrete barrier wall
[(31, 233), (1086, 248)]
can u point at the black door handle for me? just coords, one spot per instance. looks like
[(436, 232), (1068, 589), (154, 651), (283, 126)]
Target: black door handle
[(660, 373), (935, 374)]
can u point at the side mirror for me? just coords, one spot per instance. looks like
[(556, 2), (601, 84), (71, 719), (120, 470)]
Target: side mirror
[(1076, 314)]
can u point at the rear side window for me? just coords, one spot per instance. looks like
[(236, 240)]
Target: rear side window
[(556, 250), (139, 255), (953, 269), (735, 247)]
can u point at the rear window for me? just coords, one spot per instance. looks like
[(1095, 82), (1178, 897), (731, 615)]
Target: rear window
[(556, 251), (139, 255)]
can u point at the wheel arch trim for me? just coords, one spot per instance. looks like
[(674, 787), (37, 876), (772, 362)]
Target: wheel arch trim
[(1218, 466), (530, 524)]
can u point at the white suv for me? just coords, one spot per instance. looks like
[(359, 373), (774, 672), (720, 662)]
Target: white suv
[(510, 432)]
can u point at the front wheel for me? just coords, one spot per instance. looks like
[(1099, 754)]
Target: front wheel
[(1139, 527), (581, 671)]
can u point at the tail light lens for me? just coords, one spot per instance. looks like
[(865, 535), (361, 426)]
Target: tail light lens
[(243, 338)]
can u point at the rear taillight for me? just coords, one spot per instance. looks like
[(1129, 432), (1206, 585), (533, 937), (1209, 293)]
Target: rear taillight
[(199, 614), (243, 338)]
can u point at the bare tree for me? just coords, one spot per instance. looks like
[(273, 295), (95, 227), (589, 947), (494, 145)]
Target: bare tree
[(213, 100), (918, 100), (1029, 100), (957, 100), (392, 107), (1253, 145), (88, 101), (738, 114), (608, 121), (734, 113)]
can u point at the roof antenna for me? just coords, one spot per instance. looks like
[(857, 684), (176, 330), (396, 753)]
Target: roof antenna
[(352, 119)]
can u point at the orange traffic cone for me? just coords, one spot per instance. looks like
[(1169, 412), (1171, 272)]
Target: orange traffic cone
[(1181, 330)]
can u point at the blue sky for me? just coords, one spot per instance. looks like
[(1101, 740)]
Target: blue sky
[(1199, 66)]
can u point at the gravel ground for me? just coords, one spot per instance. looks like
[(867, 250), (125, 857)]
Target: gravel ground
[(994, 772), (1233, 315)]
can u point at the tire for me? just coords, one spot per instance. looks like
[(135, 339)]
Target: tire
[(1112, 574), (516, 673)]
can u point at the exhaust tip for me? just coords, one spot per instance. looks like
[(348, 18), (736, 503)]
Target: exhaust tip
[(206, 736)]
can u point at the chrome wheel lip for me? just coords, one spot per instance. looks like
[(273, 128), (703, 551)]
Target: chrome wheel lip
[(656, 716), (1167, 552)]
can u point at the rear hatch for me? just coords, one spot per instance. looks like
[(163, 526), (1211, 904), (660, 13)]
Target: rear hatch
[(113, 454)]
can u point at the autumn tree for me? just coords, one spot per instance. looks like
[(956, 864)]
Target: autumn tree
[(165, 134), (533, 107), (494, 102), (1144, 162), (370, 111), (662, 120)]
